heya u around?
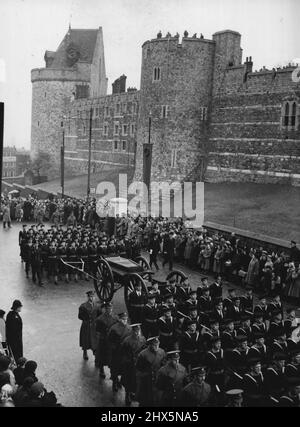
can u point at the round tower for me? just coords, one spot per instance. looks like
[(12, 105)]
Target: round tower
[(52, 91), (175, 95)]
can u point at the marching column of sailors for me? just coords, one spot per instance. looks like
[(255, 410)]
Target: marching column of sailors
[(56, 251), (193, 348)]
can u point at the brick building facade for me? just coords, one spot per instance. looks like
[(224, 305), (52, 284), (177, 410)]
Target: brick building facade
[(209, 115), (15, 162)]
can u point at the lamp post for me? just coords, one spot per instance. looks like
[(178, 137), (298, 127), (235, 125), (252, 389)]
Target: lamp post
[(90, 154), (149, 127), (62, 161)]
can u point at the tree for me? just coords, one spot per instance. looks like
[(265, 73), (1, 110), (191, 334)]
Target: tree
[(41, 164)]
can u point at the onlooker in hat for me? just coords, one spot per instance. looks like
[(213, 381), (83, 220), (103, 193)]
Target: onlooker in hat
[(197, 393), (5, 368), (292, 289), (19, 370), (21, 397), (6, 217), (30, 369), (2, 330), (39, 397), (6, 394), (169, 250), (14, 330), (154, 248), (294, 252), (253, 272)]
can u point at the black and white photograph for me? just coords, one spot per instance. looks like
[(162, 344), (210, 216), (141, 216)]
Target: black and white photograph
[(150, 206)]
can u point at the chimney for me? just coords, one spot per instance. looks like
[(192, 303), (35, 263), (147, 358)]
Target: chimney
[(119, 85), (249, 64)]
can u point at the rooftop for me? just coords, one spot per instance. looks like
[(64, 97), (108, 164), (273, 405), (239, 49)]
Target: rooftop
[(78, 45)]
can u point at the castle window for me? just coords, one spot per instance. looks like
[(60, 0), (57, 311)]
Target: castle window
[(106, 111), (293, 115), (156, 74), (116, 143), (289, 115), (132, 129), (38, 124), (45, 94), (116, 129), (164, 111), (124, 130), (203, 114), (124, 145), (174, 158), (84, 130), (105, 130), (124, 107), (147, 52), (134, 107), (118, 109)]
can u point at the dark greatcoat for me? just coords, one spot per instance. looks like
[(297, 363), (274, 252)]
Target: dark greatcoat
[(116, 335), (196, 395), (14, 339), (103, 323), (170, 382), (88, 313), (147, 365), (130, 349)]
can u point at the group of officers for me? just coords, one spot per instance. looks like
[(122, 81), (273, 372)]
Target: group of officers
[(189, 347), (61, 252)]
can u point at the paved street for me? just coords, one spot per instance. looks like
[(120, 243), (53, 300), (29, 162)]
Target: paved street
[(51, 328)]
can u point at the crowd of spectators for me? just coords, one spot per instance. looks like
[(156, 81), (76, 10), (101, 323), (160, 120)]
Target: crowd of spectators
[(211, 252), (19, 384)]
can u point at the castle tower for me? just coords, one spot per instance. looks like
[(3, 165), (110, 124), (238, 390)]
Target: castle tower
[(228, 54), (175, 94), (76, 70)]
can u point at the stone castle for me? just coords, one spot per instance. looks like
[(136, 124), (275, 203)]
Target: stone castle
[(200, 114)]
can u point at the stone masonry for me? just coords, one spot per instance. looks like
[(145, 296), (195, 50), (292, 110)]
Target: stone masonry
[(212, 117)]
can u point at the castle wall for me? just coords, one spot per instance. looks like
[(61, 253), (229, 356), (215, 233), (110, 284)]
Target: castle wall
[(248, 141), (110, 146)]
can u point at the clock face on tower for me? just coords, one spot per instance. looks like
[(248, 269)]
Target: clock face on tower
[(73, 54)]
